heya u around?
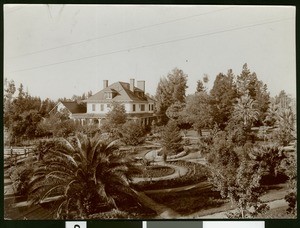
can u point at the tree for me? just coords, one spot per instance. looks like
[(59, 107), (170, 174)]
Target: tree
[(198, 111), (282, 100), (236, 175), (21, 115), (117, 114), (132, 133), (223, 97), (176, 112), (200, 87), (245, 110), (85, 176), (171, 139), (170, 89), (248, 83), (290, 165), (9, 91), (286, 129)]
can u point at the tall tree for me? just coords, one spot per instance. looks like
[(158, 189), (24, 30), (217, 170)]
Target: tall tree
[(170, 89), (200, 87), (223, 97), (197, 111), (248, 83), (236, 175), (246, 111), (171, 139)]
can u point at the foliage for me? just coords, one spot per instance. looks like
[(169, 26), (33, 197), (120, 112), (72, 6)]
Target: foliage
[(270, 158), (248, 83), (197, 111), (20, 177), (245, 111), (286, 129), (87, 175), (290, 166), (200, 87), (57, 125), (132, 133), (222, 98), (236, 175), (115, 118), (171, 139), (170, 89), (22, 112)]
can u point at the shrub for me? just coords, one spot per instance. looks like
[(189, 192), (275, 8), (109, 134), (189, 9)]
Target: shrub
[(132, 133)]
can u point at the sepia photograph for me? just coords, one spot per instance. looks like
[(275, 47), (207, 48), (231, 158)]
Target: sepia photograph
[(149, 112)]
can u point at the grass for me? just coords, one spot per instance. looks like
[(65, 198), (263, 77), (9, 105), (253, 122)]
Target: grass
[(276, 213), (189, 201)]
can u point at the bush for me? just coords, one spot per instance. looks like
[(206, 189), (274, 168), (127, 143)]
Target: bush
[(132, 133)]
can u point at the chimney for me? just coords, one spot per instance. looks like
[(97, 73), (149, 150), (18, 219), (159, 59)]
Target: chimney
[(131, 85), (105, 83), (141, 85)]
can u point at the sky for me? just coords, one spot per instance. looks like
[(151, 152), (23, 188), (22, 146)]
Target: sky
[(57, 51)]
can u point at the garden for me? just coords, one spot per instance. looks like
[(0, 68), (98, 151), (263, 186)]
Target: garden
[(226, 153)]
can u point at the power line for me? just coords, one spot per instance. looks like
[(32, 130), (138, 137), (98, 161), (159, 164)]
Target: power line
[(156, 44), (119, 33)]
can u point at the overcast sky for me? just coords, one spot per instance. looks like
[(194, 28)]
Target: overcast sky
[(60, 50)]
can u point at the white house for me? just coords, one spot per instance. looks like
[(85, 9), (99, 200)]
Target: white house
[(137, 104)]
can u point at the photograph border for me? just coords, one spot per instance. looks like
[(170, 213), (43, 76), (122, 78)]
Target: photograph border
[(276, 223)]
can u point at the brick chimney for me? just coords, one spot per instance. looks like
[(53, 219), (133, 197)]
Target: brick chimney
[(141, 85), (105, 83), (131, 85)]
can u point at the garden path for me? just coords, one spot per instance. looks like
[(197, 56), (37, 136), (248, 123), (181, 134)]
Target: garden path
[(220, 215), (161, 210)]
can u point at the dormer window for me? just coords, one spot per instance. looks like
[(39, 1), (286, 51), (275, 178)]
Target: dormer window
[(108, 95)]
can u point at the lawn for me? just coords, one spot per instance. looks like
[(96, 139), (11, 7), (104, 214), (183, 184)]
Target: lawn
[(189, 201)]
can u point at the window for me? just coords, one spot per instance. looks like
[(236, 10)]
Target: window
[(108, 95), (142, 107), (133, 107), (102, 107), (93, 107), (108, 105), (152, 107)]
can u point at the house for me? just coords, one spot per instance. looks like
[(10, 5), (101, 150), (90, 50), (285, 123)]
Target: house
[(69, 108), (138, 105)]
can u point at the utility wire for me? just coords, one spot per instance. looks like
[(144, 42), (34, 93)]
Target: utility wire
[(155, 44), (119, 33)]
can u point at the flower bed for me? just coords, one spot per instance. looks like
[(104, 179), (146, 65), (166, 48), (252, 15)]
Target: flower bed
[(196, 173), (155, 171)]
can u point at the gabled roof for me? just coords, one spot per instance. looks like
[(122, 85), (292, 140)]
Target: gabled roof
[(74, 107), (122, 93)]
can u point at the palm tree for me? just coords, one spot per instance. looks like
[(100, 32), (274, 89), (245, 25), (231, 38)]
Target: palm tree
[(246, 111), (83, 176)]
